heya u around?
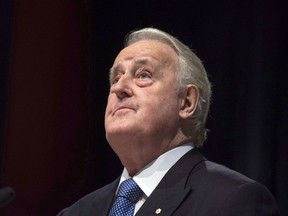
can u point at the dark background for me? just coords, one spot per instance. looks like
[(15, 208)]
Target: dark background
[(55, 58)]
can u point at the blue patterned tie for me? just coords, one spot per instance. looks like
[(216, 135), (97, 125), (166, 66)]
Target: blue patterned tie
[(127, 196)]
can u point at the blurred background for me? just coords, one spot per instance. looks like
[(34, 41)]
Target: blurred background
[(54, 62)]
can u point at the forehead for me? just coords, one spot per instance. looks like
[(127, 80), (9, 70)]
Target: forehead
[(150, 49)]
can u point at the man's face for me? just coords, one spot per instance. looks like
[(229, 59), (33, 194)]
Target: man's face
[(143, 102)]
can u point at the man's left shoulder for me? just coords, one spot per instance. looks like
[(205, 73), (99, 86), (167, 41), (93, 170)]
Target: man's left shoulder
[(223, 173), (216, 174), (229, 192)]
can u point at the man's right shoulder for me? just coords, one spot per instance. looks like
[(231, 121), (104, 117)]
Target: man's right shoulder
[(92, 202)]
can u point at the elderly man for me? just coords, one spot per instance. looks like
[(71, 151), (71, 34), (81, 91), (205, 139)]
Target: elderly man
[(155, 121)]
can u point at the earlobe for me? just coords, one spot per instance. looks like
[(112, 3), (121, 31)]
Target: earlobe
[(190, 99)]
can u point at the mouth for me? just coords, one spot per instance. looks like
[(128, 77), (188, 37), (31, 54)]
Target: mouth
[(121, 108)]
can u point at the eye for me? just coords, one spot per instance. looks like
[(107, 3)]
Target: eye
[(143, 75), (143, 78), (115, 79)]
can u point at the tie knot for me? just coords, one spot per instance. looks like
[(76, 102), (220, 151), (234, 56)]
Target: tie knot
[(130, 190)]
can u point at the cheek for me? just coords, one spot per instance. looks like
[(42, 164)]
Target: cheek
[(108, 111), (162, 107), (109, 105)]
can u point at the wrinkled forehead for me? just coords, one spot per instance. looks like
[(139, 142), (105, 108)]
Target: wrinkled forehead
[(152, 49)]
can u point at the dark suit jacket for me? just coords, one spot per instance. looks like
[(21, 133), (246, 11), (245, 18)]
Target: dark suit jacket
[(193, 186)]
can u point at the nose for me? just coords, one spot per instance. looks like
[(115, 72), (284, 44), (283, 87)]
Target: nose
[(122, 88)]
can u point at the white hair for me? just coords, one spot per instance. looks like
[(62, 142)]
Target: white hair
[(191, 71)]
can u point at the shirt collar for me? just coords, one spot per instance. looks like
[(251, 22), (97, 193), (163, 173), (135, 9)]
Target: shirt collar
[(149, 177)]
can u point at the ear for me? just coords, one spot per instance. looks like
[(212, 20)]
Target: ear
[(190, 97)]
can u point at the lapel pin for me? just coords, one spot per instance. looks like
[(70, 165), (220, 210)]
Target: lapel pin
[(158, 211)]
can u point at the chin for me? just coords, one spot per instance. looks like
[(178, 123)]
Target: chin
[(120, 131)]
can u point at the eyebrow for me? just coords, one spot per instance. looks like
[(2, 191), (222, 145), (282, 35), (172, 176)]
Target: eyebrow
[(119, 66), (142, 61)]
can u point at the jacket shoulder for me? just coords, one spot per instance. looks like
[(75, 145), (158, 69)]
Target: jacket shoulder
[(92, 202), (226, 192)]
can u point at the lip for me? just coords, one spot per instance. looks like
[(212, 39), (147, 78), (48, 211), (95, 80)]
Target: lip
[(121, 108)]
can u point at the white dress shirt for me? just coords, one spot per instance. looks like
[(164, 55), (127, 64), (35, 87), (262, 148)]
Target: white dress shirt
[(149, 177)]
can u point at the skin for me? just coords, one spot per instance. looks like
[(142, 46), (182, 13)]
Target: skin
[(145, 116)]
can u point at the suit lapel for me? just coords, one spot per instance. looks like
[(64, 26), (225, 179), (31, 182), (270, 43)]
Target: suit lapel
[(163, 201), (173, 188), (101, 204)]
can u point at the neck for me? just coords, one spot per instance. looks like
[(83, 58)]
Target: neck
[(135, 154)]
